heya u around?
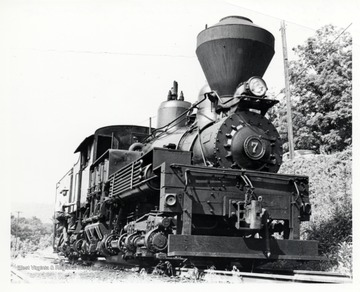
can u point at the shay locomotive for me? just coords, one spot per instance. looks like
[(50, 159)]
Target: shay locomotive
[(202, 185)]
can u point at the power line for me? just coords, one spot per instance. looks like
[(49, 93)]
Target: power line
[(281, 91), (268, 15), (340, 33), (105, 53), (328, 48)]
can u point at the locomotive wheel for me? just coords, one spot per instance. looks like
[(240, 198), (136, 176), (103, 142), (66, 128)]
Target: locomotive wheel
[(130, 242), (105, 247), (77, 246), (121, 243)]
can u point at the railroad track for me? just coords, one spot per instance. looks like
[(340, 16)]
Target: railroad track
[(18, 277), (236, 276), (298, 276), (211, 275)]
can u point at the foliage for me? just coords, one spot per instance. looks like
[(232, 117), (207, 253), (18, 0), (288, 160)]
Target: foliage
[(29, 235), (331, 199), (321, 89), (343, 258)]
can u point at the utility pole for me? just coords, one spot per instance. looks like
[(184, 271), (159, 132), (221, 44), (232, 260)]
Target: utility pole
[(17, 229), (287, 92)]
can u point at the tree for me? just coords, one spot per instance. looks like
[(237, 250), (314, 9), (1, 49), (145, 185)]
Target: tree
[(321, 92), (31, 234)]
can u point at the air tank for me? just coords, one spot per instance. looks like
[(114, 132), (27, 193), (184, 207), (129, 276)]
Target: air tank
[(232, 51)]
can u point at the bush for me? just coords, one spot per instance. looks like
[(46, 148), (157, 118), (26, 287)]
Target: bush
[(342, 258), (32, 235), (330, 179)]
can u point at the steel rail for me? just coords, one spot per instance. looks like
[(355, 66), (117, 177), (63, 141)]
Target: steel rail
[(19, 275), (297, 276)]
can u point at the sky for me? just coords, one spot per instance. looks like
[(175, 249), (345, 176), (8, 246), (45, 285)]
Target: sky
[(70, 67)]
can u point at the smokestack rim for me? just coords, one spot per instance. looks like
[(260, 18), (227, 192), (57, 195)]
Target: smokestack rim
[(239, 27), (234, 16), (251, 32)]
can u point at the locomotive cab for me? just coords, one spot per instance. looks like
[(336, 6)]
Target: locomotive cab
[(98, 156)]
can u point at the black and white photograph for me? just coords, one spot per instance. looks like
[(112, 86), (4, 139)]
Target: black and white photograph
[(173, 144)]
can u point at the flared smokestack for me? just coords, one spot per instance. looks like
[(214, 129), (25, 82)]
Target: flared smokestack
[(232, 51)]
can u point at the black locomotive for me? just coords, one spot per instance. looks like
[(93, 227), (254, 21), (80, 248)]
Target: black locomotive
[(202, 185)]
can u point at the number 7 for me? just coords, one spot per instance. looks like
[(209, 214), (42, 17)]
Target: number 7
[(254, 145)]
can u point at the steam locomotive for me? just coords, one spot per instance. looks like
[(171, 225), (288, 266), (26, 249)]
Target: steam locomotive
[(203, 184)]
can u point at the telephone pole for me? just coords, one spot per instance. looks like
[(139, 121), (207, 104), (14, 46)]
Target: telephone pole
[(17, 229), (287, 91)]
